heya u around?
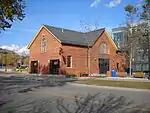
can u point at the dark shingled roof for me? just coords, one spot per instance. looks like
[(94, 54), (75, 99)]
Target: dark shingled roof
[(74, 37)]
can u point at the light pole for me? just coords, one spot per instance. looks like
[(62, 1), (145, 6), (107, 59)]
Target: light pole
[(130, 72)]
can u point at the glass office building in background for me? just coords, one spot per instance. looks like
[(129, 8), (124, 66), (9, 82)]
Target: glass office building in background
[(119, 35), (139, 62)]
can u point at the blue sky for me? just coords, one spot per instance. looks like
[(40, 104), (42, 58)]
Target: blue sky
[(65, 14)]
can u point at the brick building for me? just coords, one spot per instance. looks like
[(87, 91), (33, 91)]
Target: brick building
[(59, 51)]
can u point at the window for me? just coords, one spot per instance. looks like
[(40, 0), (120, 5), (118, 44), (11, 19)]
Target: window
[(104, 48), (43, 45), (117, 65), (146, 58), (138, 67), (145, 67), (69, 61)]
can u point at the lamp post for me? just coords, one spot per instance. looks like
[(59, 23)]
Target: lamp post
[(130, 72)]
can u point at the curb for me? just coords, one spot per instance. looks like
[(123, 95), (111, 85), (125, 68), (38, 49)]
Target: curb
[(108, 87)]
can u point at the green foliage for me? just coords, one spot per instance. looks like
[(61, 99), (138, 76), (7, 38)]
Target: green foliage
[(130, 9), (70, 74), (21, 70), (147, 1), (11, 10), (146, 11), (13, 59)]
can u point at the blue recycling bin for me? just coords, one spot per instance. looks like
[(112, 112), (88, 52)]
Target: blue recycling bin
[(114, 73)]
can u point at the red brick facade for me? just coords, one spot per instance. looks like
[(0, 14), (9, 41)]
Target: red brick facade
[(82, 57)]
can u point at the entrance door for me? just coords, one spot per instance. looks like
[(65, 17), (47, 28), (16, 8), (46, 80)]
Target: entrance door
[(103, 66), (34, 66), (54, 66)]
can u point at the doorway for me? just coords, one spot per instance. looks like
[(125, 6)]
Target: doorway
[(103, 65), (34, 66), (54, 66)]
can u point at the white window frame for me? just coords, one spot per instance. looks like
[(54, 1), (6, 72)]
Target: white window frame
[(103, 48), (43, 47)]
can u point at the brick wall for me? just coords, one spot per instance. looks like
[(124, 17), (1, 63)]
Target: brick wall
[(95, 54), (78, 53), (52, 49), (79, 59)]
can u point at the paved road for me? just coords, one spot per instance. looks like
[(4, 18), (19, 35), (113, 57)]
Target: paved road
[(68, 92), (22, 101)]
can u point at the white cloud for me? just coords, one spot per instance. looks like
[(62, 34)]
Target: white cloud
[(95, 3), (23, 51), (11, 48), (17, 49), (113, 3), (140, 0)]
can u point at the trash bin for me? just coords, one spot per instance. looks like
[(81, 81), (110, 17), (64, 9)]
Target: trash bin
[(114, 73)]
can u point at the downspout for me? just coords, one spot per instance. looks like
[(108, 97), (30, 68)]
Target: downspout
[(88, 56)]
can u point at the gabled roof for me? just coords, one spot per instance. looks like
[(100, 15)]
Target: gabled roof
[(72, 37)]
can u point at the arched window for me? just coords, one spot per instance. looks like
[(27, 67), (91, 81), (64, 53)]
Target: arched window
[(43, 45), (104, 48)]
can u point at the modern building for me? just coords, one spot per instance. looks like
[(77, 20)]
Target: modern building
[(119, 36), (60, 51), (140, 58)]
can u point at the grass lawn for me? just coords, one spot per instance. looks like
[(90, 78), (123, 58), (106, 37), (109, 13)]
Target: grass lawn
[(127, 84)]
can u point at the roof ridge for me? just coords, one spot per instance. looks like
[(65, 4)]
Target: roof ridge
[(95, 30), (62, 28), (73, 30)]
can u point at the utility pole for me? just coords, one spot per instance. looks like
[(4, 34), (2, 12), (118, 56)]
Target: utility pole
[(130, 72)]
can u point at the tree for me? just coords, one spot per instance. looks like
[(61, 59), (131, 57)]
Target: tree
[(87, 27), (10, 10), (137, 24)]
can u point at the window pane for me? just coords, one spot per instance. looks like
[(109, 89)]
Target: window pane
[(69, 61), (138, 67), (103, 48), (44, 45)]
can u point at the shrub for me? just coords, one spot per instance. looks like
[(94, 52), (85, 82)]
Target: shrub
[(70, 74)]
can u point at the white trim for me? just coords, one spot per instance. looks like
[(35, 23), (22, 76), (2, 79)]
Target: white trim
[(52, 34), (109, 37), (38, 33), (42, 45), (34, 37)]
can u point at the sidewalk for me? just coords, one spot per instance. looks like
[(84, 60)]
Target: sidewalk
[(108, 87), (117, 79), (8, 74)]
